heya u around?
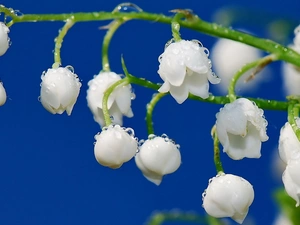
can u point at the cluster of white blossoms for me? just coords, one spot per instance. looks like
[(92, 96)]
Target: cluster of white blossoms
[(291, 73), (289, 152), (240, 127)]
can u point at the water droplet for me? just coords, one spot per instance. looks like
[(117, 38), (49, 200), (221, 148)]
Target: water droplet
[(197, 42), (141, 142), (177, 146), (104, 128), (18, 13), (130, 131), (111, 118), (169, 42), (127, 7), (39, 98), (206, 51), (164, 136), (133, 96), (7, 19), (70, 68), (151, 136)]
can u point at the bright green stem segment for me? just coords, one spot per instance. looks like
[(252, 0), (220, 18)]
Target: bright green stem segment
[(293, 113), (59, 41), (112, 28), (190, 218), (107, 93), (217, 159), (176, 27), (150, 108), (258, 64)]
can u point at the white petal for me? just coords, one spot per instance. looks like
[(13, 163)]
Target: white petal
[(4, 39), (2, 94), (165, 87), (198, 85), (180, 94)]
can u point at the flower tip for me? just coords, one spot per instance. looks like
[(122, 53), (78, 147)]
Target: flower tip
[(239, 217), (154, 179)]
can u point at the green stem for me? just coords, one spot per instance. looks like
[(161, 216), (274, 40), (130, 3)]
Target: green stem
[(150, 108), (112, 28), (293, 113), (106, 95), (176, 27), (217, 158), (259, 64), (161, 217), (59, 41), (194, 23)]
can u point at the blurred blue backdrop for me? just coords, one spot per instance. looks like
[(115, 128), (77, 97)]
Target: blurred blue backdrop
[(48, 173)]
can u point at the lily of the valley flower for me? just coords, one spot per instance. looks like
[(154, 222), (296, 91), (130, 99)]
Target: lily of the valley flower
[(157, 157), (119, 102), (59, 90), (114, 146), (226, 55), (241, 127), (289, 145), (228, 195), (291, 179), (291, 73), (185, 68), (4, 39), (2, 94)]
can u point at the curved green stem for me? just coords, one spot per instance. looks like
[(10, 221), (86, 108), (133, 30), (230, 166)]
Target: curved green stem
[(194, 23), (150, 108), (160, 217), (176, 27), (112, 28), (293, 113), (217, 159), (106, 95), (259, 64), (59, 40)]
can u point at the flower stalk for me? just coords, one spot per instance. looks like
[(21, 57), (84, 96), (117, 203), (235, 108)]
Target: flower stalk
[(217, 158)]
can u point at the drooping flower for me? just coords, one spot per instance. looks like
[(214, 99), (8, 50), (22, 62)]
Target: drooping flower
[(185, 68), (230, 56), (114, 146), (228, 195), (289, 145), (291, 179), (119, 101), (2, 94), (291, 73), (4, 39), (59, 90), (157, 157), (241, 127)]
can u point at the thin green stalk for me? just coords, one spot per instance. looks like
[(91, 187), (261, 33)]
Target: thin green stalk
[(59, 40), (150, 108), (112, 28), (260, 63), (217, 159), (194, 23), (106, 95), (161, 217), (176, 27)]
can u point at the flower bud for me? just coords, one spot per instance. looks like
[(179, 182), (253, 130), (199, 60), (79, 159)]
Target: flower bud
[(59, 90), (291, 179), (185, 68), (228, 195), (2, 94), (4, 39), (289, 146), (119, 101), (241, 127), (114, 146), (157, 157)]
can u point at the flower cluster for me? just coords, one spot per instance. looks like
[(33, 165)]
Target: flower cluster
[(289, 152)]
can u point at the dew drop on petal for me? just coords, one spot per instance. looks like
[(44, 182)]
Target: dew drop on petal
[(130, 131), (151, 136)]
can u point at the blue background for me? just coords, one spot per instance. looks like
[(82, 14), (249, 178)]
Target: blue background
[(48, 173)]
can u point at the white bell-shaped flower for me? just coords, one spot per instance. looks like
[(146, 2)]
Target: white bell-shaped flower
[(2, 94), (4, 39), (59, 90), (114, 146), (281, 219), (291, 179), (230, 56), (289, 145), (119, 101), (157, 157), (185, 68), (291, 73), (241, 127), (228, 195)]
